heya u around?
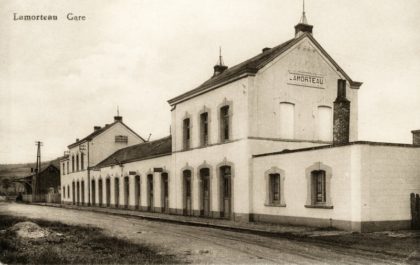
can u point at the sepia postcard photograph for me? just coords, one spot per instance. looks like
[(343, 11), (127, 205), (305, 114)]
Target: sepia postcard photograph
[(209, 132)]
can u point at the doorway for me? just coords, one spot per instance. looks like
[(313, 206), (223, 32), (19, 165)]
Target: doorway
[(126, 191), (100, 188), (117, 192), (187, 193), (108, 192), (226, 191), (205, 192), (93, 192), (165, 193), (150, 204), (137, 192)]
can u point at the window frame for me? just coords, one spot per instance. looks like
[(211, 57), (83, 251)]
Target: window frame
[(186, 133), (312, 175), (204, 128), (275, 171)]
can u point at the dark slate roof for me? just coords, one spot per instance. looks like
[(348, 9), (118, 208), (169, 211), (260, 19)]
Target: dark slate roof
[(137, 152), (101, 130), (253, 65)]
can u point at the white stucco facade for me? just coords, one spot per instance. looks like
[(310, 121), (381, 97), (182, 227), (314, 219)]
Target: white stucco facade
[(258, 142)]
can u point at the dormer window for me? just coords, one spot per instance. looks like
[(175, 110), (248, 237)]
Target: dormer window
[(121, 139)]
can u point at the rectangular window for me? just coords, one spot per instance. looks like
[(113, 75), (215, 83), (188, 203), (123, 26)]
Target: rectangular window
[(319, 187), (274, 189), (121, 139), (77, 162), (204, 120), (224, 123), (187, 133), (68, 168), (72, 163)]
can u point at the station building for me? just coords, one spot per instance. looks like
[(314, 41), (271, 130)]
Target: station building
[(272, 139)]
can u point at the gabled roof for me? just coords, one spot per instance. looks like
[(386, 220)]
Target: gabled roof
[(101, 130), (252, 66), (137, 152)]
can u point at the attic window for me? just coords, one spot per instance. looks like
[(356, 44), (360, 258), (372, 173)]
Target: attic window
[(121, 139)]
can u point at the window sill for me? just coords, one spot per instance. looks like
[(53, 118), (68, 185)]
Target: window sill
[(274, 205), (320, 206)]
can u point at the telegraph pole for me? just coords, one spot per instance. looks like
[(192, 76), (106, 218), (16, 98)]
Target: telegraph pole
[(37, 170)]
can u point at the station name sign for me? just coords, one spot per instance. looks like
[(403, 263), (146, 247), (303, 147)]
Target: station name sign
[(306, 79)]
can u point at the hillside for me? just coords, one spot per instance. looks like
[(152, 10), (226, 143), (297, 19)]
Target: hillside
[(22, 170)]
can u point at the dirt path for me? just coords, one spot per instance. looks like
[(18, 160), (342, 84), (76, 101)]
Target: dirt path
[(205, 245)]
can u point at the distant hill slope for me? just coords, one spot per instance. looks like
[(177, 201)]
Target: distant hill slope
[(24, 169)]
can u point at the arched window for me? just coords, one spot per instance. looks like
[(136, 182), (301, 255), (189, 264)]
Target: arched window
[(72, 163), (225, 123), (186, 133), (318, 181), (325, 123), (82, 161), (77, 162), (287, 120), (204, 128), (318, 177)]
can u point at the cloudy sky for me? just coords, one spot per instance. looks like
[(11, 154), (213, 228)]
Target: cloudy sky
[(60, 78)]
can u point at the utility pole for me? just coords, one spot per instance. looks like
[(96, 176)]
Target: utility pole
[(37, 170)]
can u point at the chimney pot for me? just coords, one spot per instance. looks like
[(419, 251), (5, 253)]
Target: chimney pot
[(416, 137), (341, 89), (218, 69)]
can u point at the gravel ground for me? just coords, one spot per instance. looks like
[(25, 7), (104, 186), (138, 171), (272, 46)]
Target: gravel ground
[(209, 245)]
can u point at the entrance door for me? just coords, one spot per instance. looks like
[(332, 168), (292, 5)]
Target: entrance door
[(150, 204), (82, 192), (117, 192), (126, 191), (108, 192), (137, 192), (78, 193), (93, 192), (205, 192), (226, 191), (187, 193), (165, 193), (100, 188)]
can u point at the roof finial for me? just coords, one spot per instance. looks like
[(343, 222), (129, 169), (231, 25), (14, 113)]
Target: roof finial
[(220, 56), (303, 19), (118, 110)]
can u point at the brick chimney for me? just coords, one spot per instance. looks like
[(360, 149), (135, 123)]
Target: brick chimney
[(118, 118), (95, 128), (341, 123), (416, 137)]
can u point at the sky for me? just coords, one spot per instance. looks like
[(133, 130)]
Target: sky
[(58, 79)]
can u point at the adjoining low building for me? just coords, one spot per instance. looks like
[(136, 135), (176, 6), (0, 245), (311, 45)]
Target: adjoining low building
[(47, 183), (272, 139)]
